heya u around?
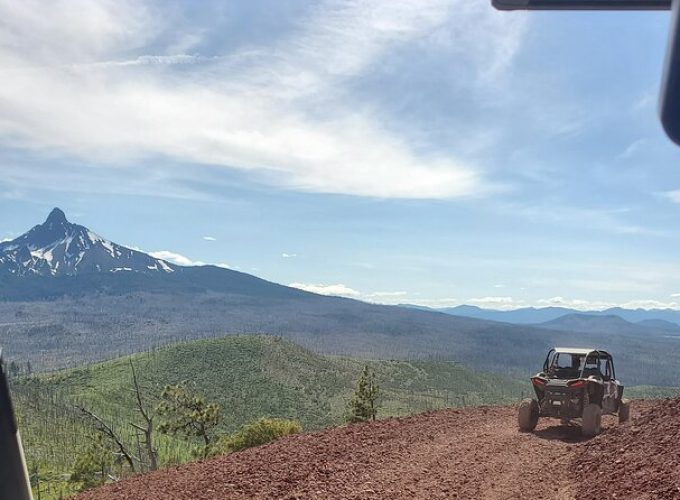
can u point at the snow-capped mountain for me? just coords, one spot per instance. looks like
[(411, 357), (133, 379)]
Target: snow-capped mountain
[(60, 248)]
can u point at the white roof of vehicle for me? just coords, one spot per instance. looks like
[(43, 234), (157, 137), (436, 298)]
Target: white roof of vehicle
[(575, 350)]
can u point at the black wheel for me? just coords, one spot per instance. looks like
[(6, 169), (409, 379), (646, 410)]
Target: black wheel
[(592, 420), (624, 411), (527, 417)]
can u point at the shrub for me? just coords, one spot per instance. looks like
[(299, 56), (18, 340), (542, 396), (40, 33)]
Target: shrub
[(261, 431), (92, 467)]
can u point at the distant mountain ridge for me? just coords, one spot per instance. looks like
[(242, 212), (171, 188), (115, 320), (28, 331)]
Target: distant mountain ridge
[(536, 315), (609, 324), (68, 296), (58, 247)]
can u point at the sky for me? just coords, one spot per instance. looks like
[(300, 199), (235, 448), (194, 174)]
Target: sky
[(431, 152)]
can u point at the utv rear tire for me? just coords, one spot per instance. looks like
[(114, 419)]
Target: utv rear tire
[(624, 411), (592, 420), (527, 417)]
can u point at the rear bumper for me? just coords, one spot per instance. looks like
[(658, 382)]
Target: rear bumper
[(561, 402)]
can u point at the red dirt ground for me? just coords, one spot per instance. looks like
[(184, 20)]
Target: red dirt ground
[(640, 460), (473, 453)]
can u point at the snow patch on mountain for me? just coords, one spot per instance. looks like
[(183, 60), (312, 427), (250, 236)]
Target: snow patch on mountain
[(60, 248)]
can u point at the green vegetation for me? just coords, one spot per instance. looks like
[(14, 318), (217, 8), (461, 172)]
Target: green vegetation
[(265, 388), (94, 465), (248, 377), (263, 430), (650, 392), (188, 414)]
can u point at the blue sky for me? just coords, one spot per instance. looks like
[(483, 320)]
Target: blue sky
[(433, 151)]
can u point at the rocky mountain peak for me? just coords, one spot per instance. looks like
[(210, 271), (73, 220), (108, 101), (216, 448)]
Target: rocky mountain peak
[(58, 247), (57, 216)]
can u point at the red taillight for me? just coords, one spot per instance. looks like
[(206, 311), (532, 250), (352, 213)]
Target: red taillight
[(539, 382), (576, 384)]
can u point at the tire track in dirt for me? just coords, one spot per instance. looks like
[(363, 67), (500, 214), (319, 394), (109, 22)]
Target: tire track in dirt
[(472, 453)]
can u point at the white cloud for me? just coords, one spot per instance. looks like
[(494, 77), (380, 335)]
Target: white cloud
[(85, 86), (632, 149), (650, 304), (612, 220), (588, 305), (182, 260), (383, 295), (496, 302), (288, 255), (176, 258), (436, 303), (509, 303), (673, 195), (647, 101), (338, 290), (388, 298), (209, 238)]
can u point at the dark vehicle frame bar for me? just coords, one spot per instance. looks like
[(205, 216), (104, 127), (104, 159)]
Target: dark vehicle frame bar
[(582, 4)]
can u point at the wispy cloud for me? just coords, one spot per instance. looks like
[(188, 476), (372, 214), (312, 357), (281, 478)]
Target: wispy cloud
[(588, 305), (618, 220), (495, 302), (183, 260), (209, 238), (633, 148), (510, 303), (385, 295), (283, 113), (288, 255), (673, 195), (336, 290)]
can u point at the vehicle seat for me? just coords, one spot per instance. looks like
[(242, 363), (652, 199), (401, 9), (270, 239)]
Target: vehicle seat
[(592, 372)]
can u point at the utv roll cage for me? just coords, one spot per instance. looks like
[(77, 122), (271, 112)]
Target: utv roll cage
[(595, 363)]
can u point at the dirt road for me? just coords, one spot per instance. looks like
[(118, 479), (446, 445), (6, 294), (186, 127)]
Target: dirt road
[(475, 453)]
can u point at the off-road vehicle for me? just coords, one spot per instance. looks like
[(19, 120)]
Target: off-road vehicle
[(575, 383)]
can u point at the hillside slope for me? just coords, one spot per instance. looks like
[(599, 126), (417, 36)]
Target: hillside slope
[(605, 323), (468, 454), (252, 376), (249, 376)]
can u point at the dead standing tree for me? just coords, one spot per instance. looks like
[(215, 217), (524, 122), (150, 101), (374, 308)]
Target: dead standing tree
[(147, 429), (108, 431)]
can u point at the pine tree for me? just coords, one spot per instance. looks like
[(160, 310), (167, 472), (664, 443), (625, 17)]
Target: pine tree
[(188, 414), (363, 406), (92, 467)]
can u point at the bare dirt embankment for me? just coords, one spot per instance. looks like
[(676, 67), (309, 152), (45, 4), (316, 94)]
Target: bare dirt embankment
[(474, 453)]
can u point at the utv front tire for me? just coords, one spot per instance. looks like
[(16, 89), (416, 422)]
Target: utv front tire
[(527, 417), (592, 420), (624, 411)]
